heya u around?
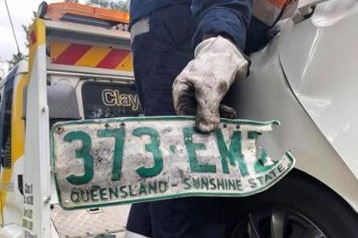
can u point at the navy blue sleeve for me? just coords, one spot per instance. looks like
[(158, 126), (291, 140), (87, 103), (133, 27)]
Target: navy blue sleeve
[(226, 17)]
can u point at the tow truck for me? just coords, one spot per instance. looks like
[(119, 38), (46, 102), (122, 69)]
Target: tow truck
[(79, 67)]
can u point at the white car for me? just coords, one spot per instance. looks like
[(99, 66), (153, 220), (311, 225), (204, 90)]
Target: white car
[(307, 78)]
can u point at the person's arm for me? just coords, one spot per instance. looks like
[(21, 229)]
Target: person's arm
[(219, 42), (228, 18)]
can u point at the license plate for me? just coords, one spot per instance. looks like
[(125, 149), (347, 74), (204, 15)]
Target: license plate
[(129, 160)]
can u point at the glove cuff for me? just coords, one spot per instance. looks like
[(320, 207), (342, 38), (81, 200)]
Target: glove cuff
[(222, 49)]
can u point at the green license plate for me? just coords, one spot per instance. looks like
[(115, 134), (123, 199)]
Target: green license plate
[(128, 160)]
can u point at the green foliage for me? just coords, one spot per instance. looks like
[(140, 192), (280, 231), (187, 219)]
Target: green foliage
[(15, 59), (20, 56), (112, 4), (122, 5)]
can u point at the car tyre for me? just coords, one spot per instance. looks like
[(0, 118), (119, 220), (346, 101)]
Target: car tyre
[(297, 207)]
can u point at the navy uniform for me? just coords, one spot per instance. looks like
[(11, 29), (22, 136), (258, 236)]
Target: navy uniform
[(164, 35)]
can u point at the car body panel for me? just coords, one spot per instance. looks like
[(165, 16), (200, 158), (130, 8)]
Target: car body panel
[(324, 74), (269, 93)]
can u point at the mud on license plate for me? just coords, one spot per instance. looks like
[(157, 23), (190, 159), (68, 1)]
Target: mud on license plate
[(128, 160)]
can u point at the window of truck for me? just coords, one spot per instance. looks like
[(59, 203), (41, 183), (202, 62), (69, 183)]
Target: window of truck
[(106, 100), (5, 138)]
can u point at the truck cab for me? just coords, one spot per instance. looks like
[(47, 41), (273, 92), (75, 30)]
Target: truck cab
[(79, 67)]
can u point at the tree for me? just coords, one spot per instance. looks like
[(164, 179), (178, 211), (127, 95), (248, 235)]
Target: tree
[(112, 4), (16, 58), (20, 56)]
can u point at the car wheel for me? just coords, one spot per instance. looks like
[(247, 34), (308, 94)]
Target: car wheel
[(297, 207)]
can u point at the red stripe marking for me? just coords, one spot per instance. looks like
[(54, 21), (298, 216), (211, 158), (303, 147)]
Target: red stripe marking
[(279, 3), (112, 59), (72, 54), (33, 38)]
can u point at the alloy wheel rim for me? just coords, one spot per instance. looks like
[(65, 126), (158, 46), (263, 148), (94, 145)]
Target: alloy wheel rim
[(277, 222)]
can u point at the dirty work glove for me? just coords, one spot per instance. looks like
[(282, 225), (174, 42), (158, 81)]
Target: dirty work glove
[(203, 83)]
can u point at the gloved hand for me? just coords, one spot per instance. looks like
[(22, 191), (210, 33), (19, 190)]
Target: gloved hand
[(200, 87)]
